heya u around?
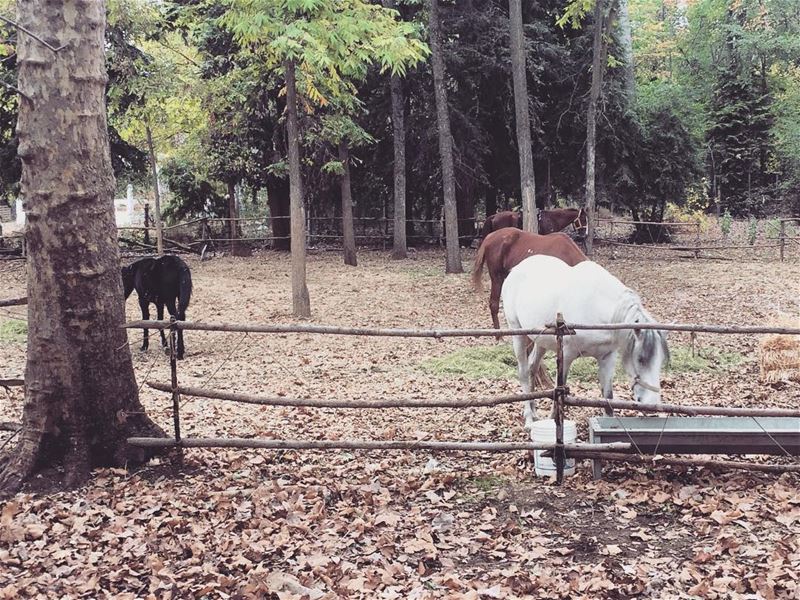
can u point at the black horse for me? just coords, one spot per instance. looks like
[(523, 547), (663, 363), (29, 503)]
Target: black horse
[(161, 281)]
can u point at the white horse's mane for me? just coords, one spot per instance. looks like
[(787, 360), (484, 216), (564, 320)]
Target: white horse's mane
[(630, 310)]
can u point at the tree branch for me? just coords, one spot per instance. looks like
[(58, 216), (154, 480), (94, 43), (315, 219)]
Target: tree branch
[(15, 89), (33, 35)]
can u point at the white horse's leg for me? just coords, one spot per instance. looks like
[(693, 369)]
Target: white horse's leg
[(568, 360), (519, 343), (529, 406), (606, 366)]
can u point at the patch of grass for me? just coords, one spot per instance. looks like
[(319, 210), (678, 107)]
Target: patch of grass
[(424, 272), (487, 482), (498, 362), (481, 362), (13, 331)]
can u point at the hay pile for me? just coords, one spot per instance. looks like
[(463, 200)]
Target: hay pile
[(779, 355)]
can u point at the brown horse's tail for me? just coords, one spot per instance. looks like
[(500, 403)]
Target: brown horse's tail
[(477, 270)]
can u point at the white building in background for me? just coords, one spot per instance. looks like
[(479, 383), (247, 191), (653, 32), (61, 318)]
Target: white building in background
[(20, 213), (128, 211)]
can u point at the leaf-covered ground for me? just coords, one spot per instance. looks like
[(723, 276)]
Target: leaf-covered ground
[(403, 524)]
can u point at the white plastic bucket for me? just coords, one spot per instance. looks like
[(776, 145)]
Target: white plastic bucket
[(544, 432)]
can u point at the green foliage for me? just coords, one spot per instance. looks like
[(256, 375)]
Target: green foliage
[(675, 213), (498, 362), (725, 222), (13, 331), (772, 228), (192, 197), (575, 12), (752, 231), (332, 42)]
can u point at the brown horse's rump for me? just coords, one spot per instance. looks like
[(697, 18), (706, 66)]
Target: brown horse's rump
[(504, 249)]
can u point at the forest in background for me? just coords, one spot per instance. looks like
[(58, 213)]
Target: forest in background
[(700, 105)]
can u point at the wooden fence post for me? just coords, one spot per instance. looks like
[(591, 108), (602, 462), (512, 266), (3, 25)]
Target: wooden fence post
[(146, 222), (558, 400), (783, 238), (176, 397), (697, 240)]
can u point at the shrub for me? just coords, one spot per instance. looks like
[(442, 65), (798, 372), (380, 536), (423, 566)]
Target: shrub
[(725, 223), (686, 214), (752, 231)]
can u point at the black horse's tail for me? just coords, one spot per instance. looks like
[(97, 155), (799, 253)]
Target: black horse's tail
[(184, 291)]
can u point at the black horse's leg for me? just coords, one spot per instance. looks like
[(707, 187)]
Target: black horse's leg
[(145, 306), (181, 317), (160, 313)]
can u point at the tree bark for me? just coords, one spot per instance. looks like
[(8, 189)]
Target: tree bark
[(233, 213), (301, 303), (626, 41), (400, 247), (348, 230), (453, 260), (598, 59), (157, 195), (81, 398), (527, 180), (400, 240)]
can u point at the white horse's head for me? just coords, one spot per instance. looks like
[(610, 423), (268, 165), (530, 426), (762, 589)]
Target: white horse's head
[(644, 354)]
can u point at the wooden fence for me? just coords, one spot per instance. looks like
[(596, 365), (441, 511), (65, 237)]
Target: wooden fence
[(325, 232), (696, 245), (612, 451)]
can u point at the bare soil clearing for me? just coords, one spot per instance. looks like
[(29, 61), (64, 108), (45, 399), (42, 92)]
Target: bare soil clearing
[(394, 525)]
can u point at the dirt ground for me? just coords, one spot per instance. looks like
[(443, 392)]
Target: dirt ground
[(404, 524)]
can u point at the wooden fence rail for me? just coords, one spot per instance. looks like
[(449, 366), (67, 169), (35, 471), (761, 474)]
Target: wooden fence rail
[(442, 333), (328, 403), (13, 301), (363, 444)]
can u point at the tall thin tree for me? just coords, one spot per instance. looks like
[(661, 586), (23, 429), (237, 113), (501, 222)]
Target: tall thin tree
[(521, 107), (598, 66), (348, 230), (400, 245), (81, 398), (156, 192), (301, 302), (453, 259)]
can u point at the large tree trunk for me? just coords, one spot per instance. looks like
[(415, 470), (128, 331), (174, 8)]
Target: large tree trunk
[(598, 60), (301, 303), (156, 192), (348, 230), (527, 181), (400, 242), (453, 261), (399, 249), (81, 399), (626, 41)]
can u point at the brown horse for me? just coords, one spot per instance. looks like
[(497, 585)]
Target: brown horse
[(559, 219), (504, 249), (549, 221), (506, 218)]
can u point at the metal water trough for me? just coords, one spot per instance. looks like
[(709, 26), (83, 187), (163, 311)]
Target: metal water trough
[(698, 435)]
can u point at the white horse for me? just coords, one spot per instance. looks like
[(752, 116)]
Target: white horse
[(541, 286)]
